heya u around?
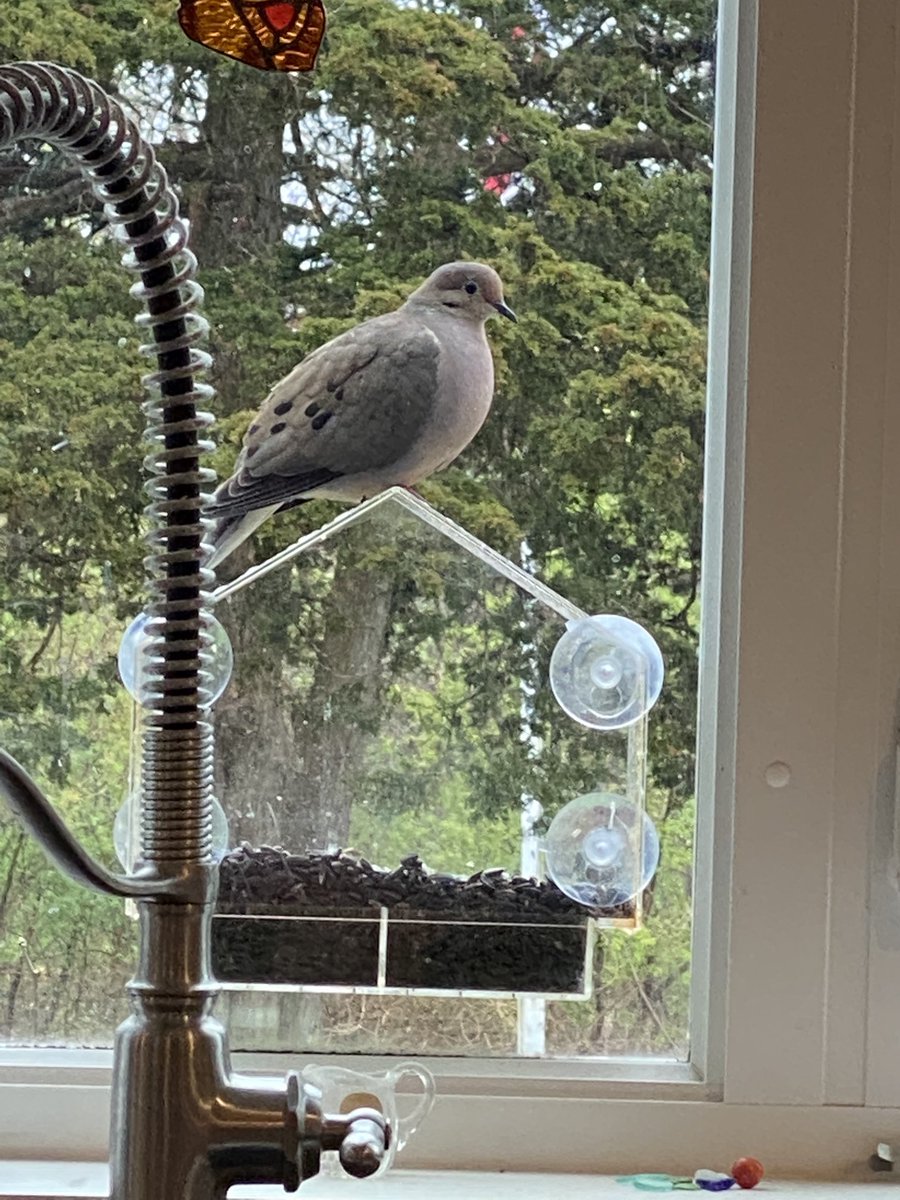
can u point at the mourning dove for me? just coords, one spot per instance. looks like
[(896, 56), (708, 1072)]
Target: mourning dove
[(387, 403)]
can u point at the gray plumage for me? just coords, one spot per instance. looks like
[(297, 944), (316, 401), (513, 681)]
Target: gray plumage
[(389, 402)]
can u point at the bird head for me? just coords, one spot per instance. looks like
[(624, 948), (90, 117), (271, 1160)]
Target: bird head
[(469, 290)]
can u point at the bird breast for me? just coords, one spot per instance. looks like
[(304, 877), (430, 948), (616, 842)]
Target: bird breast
[(465, 388)]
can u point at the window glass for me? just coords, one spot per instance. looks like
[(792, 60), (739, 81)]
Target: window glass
[(390, 692)]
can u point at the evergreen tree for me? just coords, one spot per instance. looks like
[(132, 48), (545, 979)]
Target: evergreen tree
[(569, 145)]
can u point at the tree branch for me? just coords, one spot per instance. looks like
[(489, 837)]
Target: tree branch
[(35, 206)]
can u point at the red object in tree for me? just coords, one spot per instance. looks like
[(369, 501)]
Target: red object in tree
[(499, 183), (747, 1172), (273, 35)]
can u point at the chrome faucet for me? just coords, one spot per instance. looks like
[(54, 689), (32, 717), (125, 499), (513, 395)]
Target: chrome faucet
[(184, 1124)]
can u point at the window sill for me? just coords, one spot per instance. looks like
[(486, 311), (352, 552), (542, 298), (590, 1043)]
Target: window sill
[(88, 1181)]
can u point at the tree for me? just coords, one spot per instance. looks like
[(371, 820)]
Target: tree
[(570, 145)]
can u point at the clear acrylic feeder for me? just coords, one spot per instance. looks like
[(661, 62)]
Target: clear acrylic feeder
[(466, 742)]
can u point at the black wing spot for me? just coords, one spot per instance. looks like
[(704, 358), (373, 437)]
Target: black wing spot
[(253, 429), (311, 409), (321, 419), (252, 451), (339, 394), (278, 428), (284, 407)]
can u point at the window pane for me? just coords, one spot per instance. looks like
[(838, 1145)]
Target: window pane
[(390, 694)]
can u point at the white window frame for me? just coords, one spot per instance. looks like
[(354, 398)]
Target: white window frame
[(796, 1050)]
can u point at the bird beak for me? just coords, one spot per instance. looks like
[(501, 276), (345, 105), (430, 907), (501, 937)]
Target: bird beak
[(504, 310)]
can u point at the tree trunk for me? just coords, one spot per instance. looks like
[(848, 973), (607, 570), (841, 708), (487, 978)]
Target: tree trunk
[(234, 199), (288, 772), (256, 759), (12, 866), (234, 204), (344, 702)]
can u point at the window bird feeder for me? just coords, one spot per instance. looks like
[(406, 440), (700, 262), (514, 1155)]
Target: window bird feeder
[(558, 744)]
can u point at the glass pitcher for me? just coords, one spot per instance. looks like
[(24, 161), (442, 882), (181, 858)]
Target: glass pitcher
[(343, 1089)]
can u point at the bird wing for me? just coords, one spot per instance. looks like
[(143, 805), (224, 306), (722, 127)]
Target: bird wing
[(356, 404)]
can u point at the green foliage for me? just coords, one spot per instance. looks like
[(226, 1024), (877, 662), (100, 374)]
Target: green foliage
[(96, 38), (443, 831), (69, 476), (594, 121)]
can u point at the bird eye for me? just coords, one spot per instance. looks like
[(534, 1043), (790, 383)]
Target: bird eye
[(471, 288)]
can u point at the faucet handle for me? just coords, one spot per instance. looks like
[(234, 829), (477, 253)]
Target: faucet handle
[(361, 1137), (364, 1138)]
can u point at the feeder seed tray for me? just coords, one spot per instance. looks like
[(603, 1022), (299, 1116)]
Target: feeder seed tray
[(334, 922)]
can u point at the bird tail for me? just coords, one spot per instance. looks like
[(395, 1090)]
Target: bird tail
[(229, 532)]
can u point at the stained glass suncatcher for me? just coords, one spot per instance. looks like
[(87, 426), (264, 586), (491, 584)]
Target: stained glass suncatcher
[(273, 35)]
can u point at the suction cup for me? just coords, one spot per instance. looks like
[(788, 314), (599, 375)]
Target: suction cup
[(601, 850), (606, 672), (135, 667)]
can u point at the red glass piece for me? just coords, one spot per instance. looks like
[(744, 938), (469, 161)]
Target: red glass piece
[(279, 16)]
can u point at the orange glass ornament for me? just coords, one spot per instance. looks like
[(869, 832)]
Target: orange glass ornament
[(747, 1172), (273, 35)]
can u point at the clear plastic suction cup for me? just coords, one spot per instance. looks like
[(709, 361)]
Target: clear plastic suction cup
[(606, 671), (601, 850), (126, 832), (134, 663)]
